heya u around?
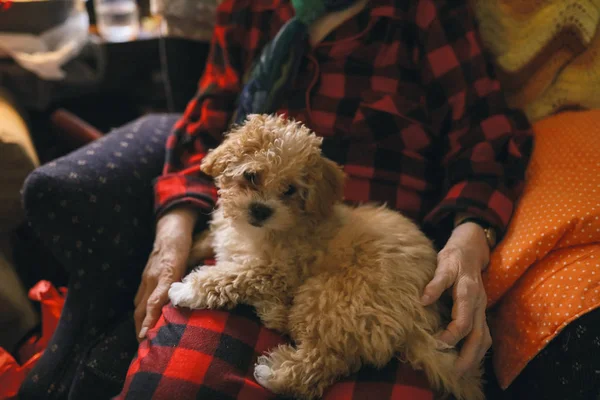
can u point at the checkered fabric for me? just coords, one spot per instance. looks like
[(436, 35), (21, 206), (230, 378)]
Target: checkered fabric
[(210, 355), (402, 94)]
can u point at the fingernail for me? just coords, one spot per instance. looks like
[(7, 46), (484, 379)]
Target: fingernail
[(143, 333), (425, 299)]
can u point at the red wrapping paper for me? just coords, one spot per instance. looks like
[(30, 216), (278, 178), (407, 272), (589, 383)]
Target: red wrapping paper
[(12, 373)]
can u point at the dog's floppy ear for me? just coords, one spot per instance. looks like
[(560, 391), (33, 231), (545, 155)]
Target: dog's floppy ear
[(327, 187), (216, 160)]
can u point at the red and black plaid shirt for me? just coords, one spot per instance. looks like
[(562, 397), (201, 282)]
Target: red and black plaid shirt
[(402, 94)]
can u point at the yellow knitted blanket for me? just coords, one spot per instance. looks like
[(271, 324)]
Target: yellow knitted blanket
[(547, 52)]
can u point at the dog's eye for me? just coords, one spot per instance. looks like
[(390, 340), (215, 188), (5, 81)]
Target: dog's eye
[(250, 177), (290, 191)]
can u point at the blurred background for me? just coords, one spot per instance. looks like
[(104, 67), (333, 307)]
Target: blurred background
[(70, 71)]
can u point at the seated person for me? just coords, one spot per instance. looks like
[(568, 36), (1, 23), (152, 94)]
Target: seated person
[(404, 98)]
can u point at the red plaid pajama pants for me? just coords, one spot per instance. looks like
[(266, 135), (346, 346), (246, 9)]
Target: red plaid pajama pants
[(205, 354)]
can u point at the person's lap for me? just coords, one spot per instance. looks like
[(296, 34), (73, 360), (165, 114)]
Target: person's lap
[(211, 354), (94, 209)]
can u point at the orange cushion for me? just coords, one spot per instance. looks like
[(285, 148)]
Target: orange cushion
[(546, 272)]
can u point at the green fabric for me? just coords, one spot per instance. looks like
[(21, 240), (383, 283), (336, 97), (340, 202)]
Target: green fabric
[(308, 11), (279, 62)]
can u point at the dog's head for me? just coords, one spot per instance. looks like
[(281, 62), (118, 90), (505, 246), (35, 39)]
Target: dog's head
[(271, 175)]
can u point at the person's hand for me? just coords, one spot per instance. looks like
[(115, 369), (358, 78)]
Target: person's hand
[(167, 264), (459, 266)]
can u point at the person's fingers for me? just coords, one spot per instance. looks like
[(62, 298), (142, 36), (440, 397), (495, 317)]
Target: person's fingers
[(140, 293), (166, 264), (462, 316), (443, 279), (140, 311), (471, 353), (156, 301), (485, 345)]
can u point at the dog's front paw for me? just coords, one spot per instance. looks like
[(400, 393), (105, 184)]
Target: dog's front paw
[(182, 295), (263, 372)]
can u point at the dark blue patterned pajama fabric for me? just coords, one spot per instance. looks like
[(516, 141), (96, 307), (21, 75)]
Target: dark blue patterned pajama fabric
[(94, 209)]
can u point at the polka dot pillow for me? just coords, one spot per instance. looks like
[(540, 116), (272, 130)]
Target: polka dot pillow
[(560, 206)]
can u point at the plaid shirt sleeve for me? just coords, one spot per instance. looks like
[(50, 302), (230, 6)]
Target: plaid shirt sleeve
[(236, 38), (486, 144)]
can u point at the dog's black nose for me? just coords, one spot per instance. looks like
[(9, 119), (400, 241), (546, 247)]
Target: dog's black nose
[(260, 212)]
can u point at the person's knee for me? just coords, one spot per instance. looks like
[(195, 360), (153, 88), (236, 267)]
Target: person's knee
[(160, 124), (37, 193), (48, 192), (155, 119)]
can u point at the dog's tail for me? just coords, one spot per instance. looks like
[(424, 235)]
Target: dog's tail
[(437, 361)]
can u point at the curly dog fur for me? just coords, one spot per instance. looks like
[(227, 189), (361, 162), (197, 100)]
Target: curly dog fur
[(344, 282)]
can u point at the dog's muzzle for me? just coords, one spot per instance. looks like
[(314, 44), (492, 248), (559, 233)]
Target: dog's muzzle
[(259, 213)]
